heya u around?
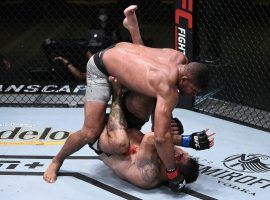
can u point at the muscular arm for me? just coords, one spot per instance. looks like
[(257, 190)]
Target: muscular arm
[(163, 138)]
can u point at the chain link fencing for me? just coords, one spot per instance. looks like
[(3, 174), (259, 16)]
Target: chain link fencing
[(232, 38), (45, 45)]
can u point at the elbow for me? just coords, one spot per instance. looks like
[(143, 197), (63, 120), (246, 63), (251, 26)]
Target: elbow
[(159, 140)]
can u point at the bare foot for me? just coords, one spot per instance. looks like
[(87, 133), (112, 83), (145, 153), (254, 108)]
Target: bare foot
[(117, 87), (50, 175), (130, 22)]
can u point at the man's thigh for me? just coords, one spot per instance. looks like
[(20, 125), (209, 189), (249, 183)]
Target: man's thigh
[(137, 108), (94, 117), (97, 95), (98, 87)]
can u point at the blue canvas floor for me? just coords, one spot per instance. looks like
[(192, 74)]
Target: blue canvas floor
[(237, 167)]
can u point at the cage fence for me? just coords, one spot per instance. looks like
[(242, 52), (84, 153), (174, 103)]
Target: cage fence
[(45, 45)]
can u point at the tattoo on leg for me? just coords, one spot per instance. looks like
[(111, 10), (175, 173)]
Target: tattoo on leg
[(117, 119), (112, 125)]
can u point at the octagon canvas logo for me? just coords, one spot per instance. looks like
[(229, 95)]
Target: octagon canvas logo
[(250, 163)]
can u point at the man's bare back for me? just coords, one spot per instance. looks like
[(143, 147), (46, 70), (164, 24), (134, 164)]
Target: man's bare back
[(149, 69)]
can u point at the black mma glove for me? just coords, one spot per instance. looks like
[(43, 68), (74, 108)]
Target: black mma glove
[(176, 180), (197, 140), (179, 125)]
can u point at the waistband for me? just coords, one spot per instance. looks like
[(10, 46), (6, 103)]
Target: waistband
[(98, 59), (99, 62)]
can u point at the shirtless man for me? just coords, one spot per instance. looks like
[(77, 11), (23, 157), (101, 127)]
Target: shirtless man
[(156, 73), (140, 165)]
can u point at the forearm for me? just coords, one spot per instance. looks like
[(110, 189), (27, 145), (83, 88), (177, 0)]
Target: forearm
[(163, 138), (165, 149), (162, 128), (75, 72)]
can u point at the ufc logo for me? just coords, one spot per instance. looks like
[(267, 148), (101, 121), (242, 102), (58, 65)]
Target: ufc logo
[(196, 141), (185, 13), (183, 21), (182, 185)]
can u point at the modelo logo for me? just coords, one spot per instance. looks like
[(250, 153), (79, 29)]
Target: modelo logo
[(250, 163), (47, 133)]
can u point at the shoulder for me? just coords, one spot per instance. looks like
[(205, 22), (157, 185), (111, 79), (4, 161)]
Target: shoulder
[(166, 84), (176, 57), (179, 58)]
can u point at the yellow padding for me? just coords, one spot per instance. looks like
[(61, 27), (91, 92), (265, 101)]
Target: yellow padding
[(37, 142)]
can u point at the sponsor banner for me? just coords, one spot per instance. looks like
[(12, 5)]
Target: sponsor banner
[(41, 89), (247, 173), (184, 27), (27, 135)]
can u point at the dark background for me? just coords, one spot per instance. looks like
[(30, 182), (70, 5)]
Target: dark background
[(231, 37)]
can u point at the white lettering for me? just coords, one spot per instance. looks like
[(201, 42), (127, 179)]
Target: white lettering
[(183, 31), (65, 88), (46, 88), (32, 88), (79, 88), (14, 88), (196, 139), (43, 89), (181, 40)]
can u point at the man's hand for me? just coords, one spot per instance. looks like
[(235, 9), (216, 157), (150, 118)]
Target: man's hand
[(198, 140), (176, 180), (176, 127), (60, 58)]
